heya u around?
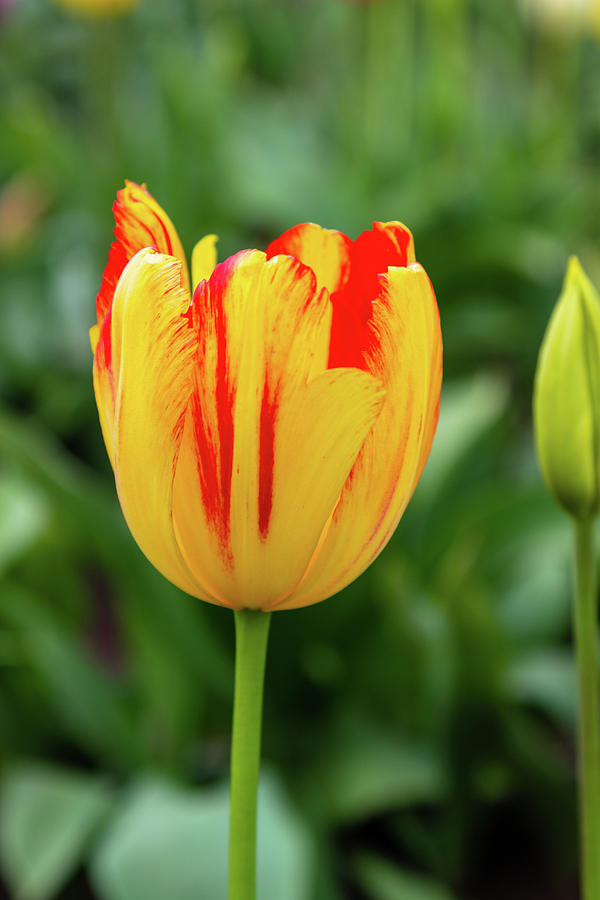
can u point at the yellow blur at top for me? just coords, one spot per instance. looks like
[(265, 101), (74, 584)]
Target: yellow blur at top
[(98, 8)]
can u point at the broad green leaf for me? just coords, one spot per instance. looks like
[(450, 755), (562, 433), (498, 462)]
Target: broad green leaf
[(168, 841), (47, 818)]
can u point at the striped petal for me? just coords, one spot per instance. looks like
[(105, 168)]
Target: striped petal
[(152, 357), (326, 252), (350, 271), (271, 435), (139, 222), (405, 353)]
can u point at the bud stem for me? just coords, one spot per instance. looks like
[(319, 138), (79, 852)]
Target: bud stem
[(251, 634), (586, 642)]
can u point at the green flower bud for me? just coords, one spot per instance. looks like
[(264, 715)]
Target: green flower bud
[(567, 396)]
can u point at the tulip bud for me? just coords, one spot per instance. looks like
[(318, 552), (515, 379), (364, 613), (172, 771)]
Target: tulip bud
[(566, 396)]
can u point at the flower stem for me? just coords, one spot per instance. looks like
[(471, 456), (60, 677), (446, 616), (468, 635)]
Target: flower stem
[(586, 641), (251, 634)]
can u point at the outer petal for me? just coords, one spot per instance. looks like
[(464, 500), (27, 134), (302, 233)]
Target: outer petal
[(104, 383), (152, 358), (406, 353), (274, 433), (139, 222)]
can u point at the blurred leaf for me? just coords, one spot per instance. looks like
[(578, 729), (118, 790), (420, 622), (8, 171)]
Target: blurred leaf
[(91, 704), (384, 881), (370, 772), (168, 841), (536, 559), (47, 819), (547, 679), (468, 409), (23, 516)]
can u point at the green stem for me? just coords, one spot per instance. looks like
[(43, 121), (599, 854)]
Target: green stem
[(586, 641), (251, 634)]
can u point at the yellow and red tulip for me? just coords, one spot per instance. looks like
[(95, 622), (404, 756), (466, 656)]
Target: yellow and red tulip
[(268, 426)]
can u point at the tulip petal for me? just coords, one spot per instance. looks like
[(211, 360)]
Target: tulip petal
[(104, 383), (326, 252), (152, 356), (139, 222), (386, 244), (405, 352), (274, 433), (204, 258), (350, 271)]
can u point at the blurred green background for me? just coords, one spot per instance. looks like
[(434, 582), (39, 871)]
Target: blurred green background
[(419, 727)]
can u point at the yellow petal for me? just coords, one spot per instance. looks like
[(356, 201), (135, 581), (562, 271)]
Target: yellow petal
[(204, 258), (320, 437), (152, 356), (406, 356), (274, 433)]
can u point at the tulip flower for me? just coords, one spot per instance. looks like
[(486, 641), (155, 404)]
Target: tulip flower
[(267, 422), (567, 425), (266, 434)]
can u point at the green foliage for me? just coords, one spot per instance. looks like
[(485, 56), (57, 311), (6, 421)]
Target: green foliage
[(168, 841), (48, 819), (421, 723)]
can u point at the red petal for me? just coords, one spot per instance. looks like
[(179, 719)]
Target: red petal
[(372, 254)]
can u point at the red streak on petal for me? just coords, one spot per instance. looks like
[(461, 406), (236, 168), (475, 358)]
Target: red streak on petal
[(104, 347), (225, 395), (117, 260), (214, 445), (268, 415)]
